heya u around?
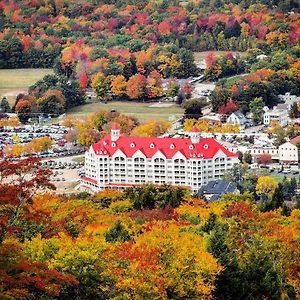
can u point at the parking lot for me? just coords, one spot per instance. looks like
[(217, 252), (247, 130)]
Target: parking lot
[(66, 172), (24, 134)]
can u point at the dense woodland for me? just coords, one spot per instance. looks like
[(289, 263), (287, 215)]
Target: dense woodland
[(124, 50), (145, 243), (148, 242)]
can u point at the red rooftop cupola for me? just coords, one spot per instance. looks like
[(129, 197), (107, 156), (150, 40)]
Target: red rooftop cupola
[(195, 135), (115, 132)]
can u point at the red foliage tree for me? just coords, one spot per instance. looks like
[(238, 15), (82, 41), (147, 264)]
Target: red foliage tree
[(22, 279), (264, 158), (18, 183), (228, 108), (210, 60), (136, 86)]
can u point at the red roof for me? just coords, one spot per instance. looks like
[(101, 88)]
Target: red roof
[(87, 179), (195, 129), (295, 140), (115, 126), (206, 148), (122, 184)]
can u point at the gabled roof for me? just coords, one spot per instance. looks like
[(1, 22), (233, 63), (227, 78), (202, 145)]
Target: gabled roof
[(239, 114), (206, 148), (218, 187), (295, 140)]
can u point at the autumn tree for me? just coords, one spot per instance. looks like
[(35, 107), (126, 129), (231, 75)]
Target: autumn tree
[(264, 158), (154, 85), (173, 88), (136, 86), (187, 90), (228, 108), (24, 106), (52, 102), (19, 182), (151, 128), (266, 186), (278, 132), (118, 86), (40, 144), (101, 84), (22, 278)]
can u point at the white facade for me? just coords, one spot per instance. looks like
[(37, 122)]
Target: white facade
[(116, 169), (237, 118), (289, 99), (288, 152), (280, 115)]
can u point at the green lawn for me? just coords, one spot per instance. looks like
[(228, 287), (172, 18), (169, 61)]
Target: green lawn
[(279, 178), (232, 80), (15, 81), (142, 111)]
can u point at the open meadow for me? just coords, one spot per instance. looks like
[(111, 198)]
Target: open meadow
[(15, 81), (143, 111)]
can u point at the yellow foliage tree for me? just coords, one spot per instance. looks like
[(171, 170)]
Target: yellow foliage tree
[(266, 185), (151, 128)]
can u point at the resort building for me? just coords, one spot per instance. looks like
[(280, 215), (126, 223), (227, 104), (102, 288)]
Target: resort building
[(118, 161)]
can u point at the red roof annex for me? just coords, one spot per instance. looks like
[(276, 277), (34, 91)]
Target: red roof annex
[(206, 148), (87, 179), (295, 140)]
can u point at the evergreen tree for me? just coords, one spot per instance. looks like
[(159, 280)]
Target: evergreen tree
[(117, 233), (4, 106)]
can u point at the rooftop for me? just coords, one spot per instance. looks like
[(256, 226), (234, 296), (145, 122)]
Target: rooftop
[(205, 148)]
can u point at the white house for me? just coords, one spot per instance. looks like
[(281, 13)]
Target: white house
[(289, 152), (278, 113), (289, 99), (120, 161), (237, 118)]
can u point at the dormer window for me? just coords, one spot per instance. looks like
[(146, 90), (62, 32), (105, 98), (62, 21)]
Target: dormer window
[(152, 146), (205, 146), (132, 145), (113, 144), (172, 146), (191, 147)]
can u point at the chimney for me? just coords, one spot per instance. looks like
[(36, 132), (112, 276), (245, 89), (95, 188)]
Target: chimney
[(115, 132), (195, 135)]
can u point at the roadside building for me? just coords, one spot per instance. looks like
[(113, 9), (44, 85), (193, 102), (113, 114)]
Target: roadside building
[(289, 152), (278, 113), (289, 99), (237, 117)]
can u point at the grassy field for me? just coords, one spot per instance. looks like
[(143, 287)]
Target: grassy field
[(142, 111), (15, 81), (232, 80), (279, 178), (201, 55)]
